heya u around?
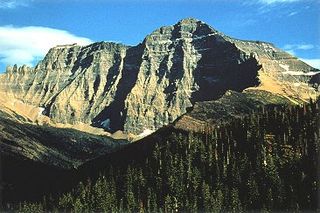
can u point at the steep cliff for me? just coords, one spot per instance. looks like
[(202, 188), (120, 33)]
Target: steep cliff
[(139, 89)]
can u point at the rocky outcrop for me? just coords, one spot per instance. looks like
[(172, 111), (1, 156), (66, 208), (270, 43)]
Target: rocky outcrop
[(141, 88)]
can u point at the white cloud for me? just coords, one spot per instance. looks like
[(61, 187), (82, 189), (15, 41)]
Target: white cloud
[(293, 13), (11, 4), (25, 45), (293, 48), (291, 52), (312, 62), (277, 1), (298, 46), (305, 47)]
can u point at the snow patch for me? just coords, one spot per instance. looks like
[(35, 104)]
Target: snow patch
[(41, 110), (300, 73), (211, 79), (201, 37), (219, 38), (296, 84), (204, 49), (284, 66), (145, 133), (106, 123)]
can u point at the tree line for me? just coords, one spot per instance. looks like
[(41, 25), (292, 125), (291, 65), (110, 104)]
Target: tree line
[(265, 161)]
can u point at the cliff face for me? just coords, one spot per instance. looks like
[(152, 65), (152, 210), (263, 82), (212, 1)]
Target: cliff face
[(182, 64), (117, 87)]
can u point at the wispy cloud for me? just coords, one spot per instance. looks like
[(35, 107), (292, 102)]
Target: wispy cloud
[(24, 45), (312, 62), (292, 48), (293, 13), (11, 4), (269, 2), (298, 46), (271, 9)]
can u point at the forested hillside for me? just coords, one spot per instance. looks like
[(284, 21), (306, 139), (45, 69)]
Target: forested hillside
[(265, 161)]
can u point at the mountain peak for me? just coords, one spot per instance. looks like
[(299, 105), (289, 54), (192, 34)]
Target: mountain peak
[(196, 24), (185, 28), (189, 20), (194, 28)]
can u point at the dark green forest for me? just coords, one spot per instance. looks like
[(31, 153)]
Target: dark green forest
[(268, 161)]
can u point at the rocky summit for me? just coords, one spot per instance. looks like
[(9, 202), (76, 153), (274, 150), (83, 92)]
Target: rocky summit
[(138, 89)]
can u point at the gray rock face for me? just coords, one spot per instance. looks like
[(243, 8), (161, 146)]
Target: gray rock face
[(117, 87)]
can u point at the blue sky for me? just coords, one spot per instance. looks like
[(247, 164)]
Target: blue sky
[(28, 28)]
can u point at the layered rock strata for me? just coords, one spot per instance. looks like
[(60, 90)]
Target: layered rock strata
[(141, 88)]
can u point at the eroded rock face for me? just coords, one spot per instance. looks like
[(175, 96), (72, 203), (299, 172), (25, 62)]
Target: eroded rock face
[(144, 87)]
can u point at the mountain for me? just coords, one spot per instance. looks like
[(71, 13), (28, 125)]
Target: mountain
[(209, 99), (138, 89)]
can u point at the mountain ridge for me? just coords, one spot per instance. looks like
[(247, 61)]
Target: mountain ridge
[(141, 88)]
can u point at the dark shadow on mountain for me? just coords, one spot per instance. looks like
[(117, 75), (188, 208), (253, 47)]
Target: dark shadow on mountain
[(315, 80), (202, 30), (222, 67), (176, 72), (114, 112), (163, 67)]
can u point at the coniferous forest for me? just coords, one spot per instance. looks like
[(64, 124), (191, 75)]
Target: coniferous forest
[(266, 161)]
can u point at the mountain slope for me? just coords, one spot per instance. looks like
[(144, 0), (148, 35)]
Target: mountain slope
[(265, 161), (62, 148), (206, 115), (40, 160), (142, 88)]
